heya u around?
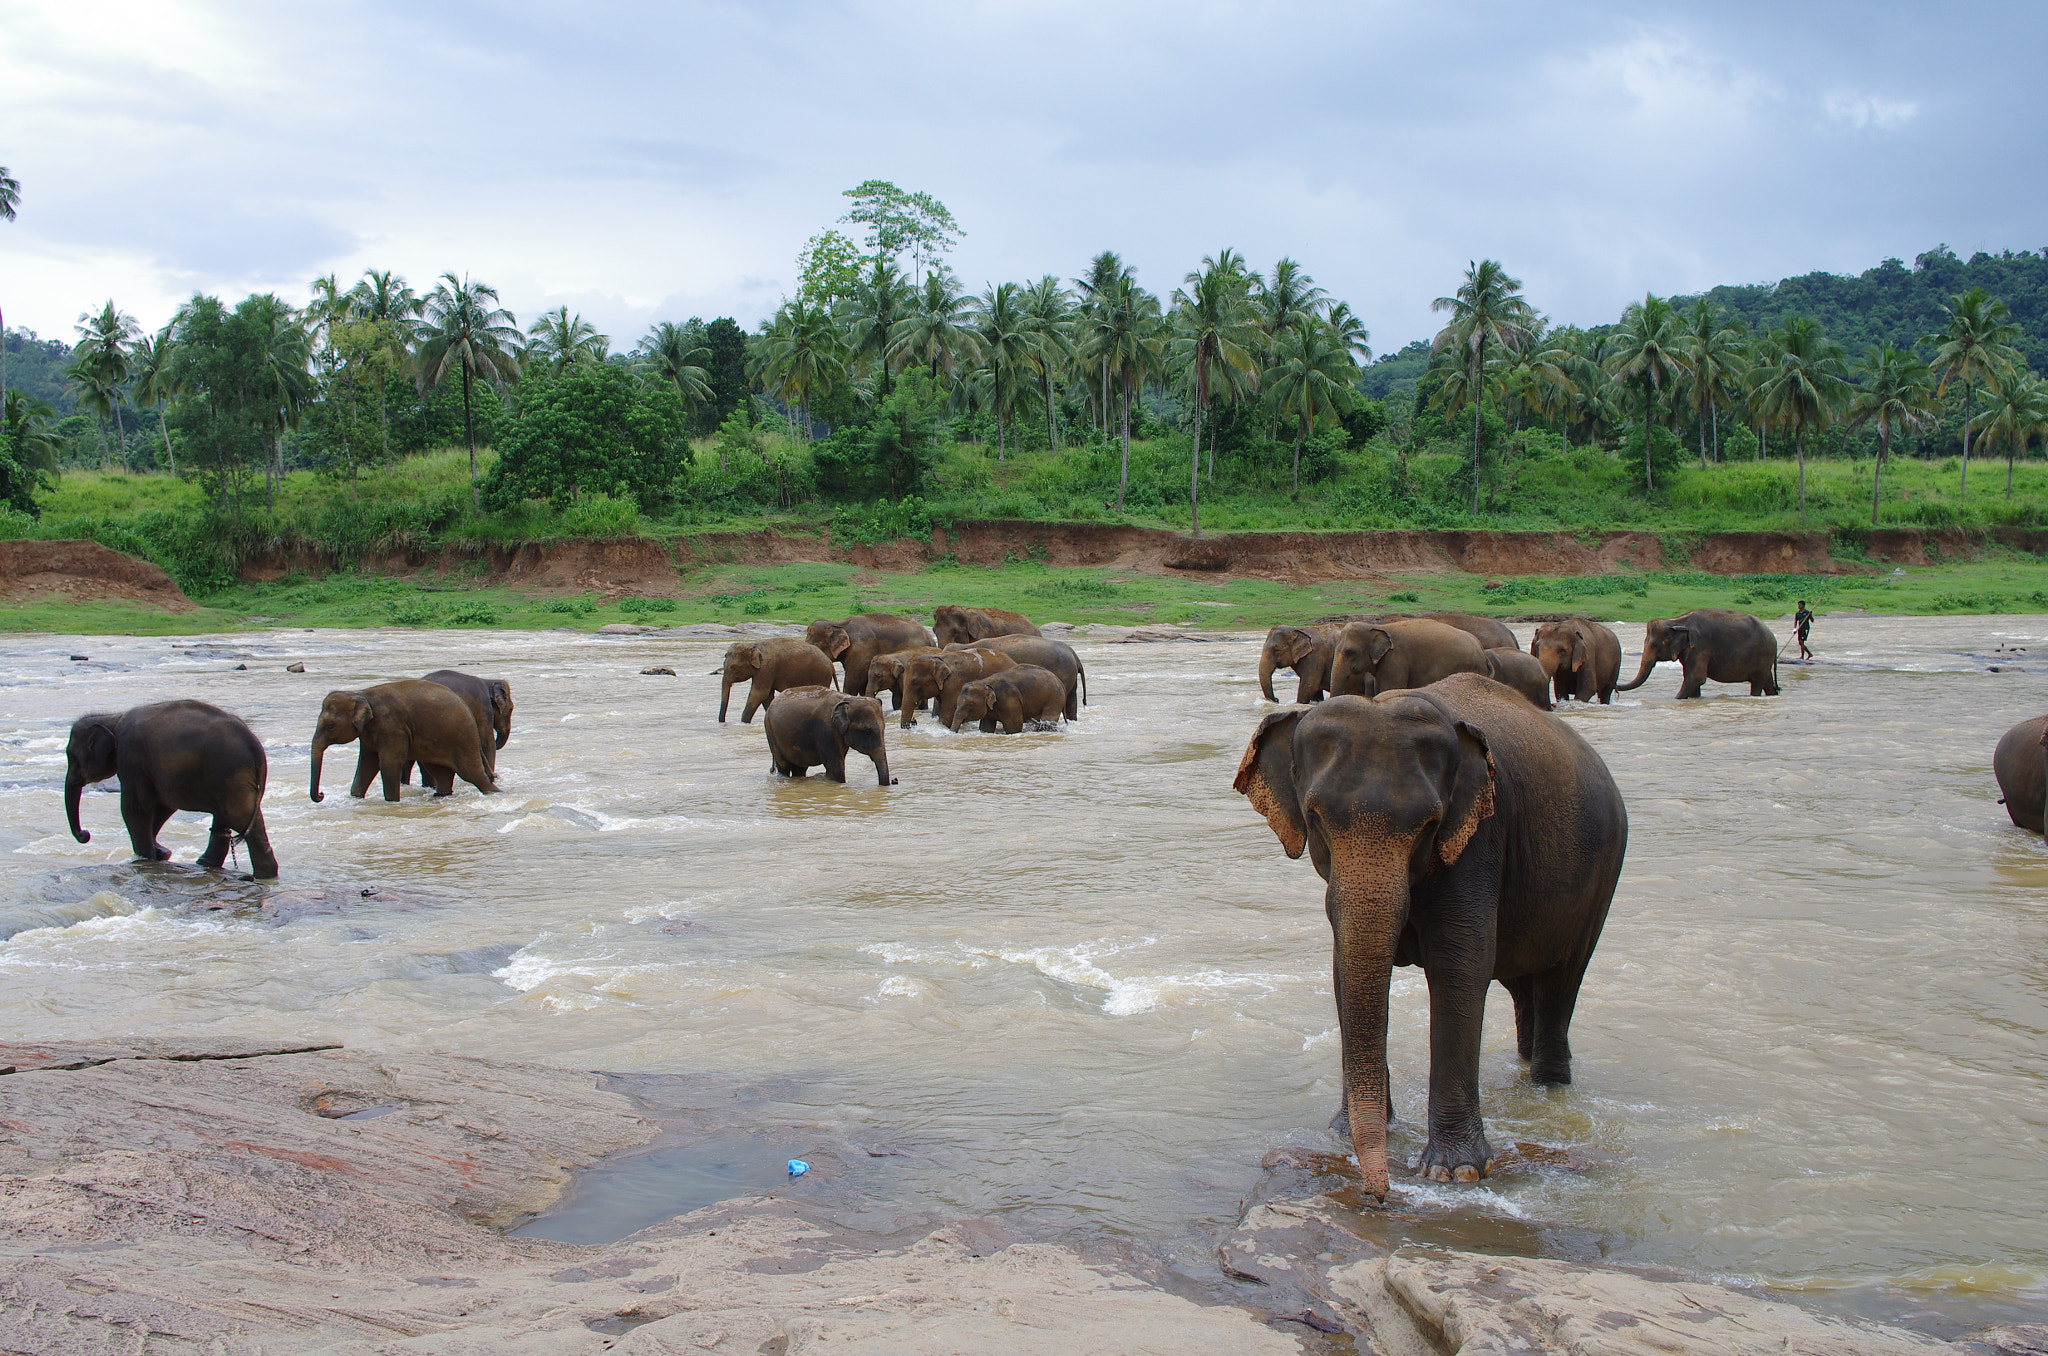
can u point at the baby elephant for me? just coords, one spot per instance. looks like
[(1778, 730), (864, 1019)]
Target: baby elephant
[(1522, 672), (1010, 698), (172, 756), (774, 665), (942, 675), (812, 726)]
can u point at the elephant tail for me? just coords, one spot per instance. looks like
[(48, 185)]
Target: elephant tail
[(1082, 671)]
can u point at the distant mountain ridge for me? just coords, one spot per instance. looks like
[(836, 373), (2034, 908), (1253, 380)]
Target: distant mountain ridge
[(1888, 304)]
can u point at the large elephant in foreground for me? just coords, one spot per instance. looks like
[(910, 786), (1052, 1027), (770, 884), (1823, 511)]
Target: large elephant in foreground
[(955, 625), (1434, 815), (1712, 643), (855, 642), (811, 726), (941, 675), (171, 756), (2021, 765), (1054, 656), (1307, 650), (783, 662), (1371, 659), (410, 721), (1582, 657)]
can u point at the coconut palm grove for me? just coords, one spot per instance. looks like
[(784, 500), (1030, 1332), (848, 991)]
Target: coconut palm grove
[(889, 393)]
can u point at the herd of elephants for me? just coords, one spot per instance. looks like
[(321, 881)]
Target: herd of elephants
[(1411, 770)]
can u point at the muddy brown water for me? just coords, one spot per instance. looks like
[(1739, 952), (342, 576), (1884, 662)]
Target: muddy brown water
[(1069, 979)]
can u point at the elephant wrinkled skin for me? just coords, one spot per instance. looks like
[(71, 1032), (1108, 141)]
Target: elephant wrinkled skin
[(1461, 831), (1371, 659), (774, 665), (171, 756), (410, 721), (813, 726), (1712, 643), (1582, 657), (955, 625), (855, 642), (2021, 765)]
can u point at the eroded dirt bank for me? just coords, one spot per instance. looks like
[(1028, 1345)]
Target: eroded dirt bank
[(207, 1196), (84, 572), (647, 566)]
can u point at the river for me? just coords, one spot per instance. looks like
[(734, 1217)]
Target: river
[(1070, 978)]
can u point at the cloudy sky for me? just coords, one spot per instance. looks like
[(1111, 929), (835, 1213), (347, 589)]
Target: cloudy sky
[(661, 160)]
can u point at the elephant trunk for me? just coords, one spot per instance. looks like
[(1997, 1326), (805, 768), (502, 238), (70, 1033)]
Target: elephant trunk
[(1649, 662), (74, 787), (320, 743), (881, 757), (1368, 907), (1266, 667), (724, 696)]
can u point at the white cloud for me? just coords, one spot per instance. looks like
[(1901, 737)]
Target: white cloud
[(1862, 112)]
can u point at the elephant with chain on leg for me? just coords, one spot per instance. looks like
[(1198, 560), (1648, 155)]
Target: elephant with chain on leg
[(171, 756), (1434, 816)]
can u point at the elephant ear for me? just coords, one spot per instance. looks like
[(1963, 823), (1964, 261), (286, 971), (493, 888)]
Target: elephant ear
[(364, 714), (1471, 795), (837, 642), (1265, 776), (1681, 640), (1377, 643), (93, 739), (841, 717), (1579, 656), (1297, 645)]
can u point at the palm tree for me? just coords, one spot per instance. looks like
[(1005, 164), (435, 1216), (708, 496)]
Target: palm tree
[(385, 297), (1805, 388), (2015, 408), (673, 354), (1650, 352), (1896, 393), (99, 367), (1487, 309), (1121, 333), (1049, 312), (561, 341), (1313, 377), (1010, 351), (1215, 340), (1350, 332), (800, 353), (937, 332), (1760, 354), (880, 300), (464, 329), (1107, 274), (10, 198), (1290, 300), (155, 384), (26, 425), (284, 383), (1713, 351), (1976, 342)]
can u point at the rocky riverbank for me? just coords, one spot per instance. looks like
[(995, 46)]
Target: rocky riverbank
[(175, 1196)]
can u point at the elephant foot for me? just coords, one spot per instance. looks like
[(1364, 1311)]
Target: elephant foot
[(1465, 1160), (160, 852), (1550, 1072)]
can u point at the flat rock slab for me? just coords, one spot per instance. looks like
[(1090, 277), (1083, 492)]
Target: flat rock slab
[(238, 1199)]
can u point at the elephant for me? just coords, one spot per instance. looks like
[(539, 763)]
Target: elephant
[(1415, 653), (2021, 765), (489, 700), (941, 675), (955, 625), (171, 756), (1054, 656), (1582, 657), (1491, 634), (1307, 650), (1512, 668), (774, 665), (1010, 698), (885, 673), (409, 721), (815, 725), (1434, 816), (856, 641), (1712, 642)]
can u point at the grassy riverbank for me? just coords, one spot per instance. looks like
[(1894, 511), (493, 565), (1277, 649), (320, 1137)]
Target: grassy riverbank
[(800, 592)]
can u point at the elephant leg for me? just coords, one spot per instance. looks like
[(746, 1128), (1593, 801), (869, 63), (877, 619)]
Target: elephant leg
[(1695, 679), (439, 776), (163, 817), (1309, 689), (988, 724), (758, 697), (367, 767), (139, 814), (393, 770), (1073, 707), (1457, 1150), (469, 765), (835, 765), (262, 860), (1556, 995), (1523, 991)]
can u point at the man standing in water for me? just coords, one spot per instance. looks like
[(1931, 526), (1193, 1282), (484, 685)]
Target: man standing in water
[(1802, 624)]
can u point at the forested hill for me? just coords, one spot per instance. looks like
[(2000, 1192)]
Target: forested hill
[(1887, 304), (1895, 304)]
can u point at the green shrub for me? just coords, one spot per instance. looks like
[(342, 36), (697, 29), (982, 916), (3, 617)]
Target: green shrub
[(880, 521), (569, 607), (477, 613), (1074, 590), (413, 612), (601, 515), (647, 605)]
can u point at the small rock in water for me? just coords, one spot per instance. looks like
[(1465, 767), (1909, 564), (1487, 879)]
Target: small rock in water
[(80, 658), (238, 668), (660, 669), (295, 668)]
